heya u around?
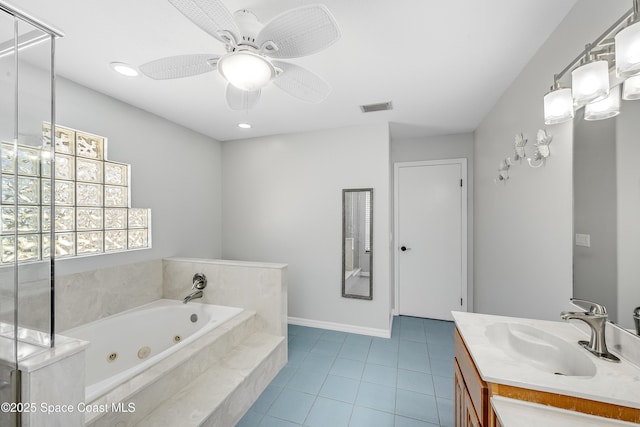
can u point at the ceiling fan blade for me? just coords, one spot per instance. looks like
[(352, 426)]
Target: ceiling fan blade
[(239, 99), (210, 15), (301, 83), (176, 67), (300, 31)]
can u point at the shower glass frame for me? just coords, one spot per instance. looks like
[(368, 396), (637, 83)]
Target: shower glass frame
[(27, 83)]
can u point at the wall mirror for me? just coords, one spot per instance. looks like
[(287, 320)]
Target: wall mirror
[(606, 202), (357, 243)]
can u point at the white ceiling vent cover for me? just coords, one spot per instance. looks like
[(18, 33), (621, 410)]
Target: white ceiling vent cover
[(383, 106)]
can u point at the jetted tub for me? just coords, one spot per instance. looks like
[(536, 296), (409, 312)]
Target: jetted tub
[(127, 343)]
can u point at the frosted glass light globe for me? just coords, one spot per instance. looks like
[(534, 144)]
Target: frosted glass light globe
[(590, 82), (631, 88), (246, 70), (558, 106), (628, 51), (605, 108)]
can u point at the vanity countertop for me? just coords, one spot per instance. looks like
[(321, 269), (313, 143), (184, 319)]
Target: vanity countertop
[(615, 383), (517, 413)]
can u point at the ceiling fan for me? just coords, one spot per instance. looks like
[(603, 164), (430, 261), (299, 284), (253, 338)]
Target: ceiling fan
[(253, 50)]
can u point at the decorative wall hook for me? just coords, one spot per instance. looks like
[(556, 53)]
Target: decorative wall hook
[(542, 150), (503, 171), (519, 145), (539, 157)]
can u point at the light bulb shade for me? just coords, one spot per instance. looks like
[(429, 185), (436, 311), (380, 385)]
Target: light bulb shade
[(603, 109), (631, 88), (590, 82), (246, 70), (628, 51), (558, 106)]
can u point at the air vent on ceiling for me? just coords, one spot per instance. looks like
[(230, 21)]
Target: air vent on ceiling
[(376, 107)]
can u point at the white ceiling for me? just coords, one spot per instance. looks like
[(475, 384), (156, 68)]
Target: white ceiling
[(442, 63)]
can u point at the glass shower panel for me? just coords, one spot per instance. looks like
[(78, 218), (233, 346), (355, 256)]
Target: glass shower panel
[(26, 321), (8, 109), (34, 278), (26, 270)]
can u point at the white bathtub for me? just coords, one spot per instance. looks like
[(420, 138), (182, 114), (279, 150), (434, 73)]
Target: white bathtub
[(127, 343)]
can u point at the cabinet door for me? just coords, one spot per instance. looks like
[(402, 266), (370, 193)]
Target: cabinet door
[(459, 392), (471, 418)]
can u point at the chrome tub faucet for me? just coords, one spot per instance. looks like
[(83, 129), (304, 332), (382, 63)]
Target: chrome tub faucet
[(199, 283), (596, 317)]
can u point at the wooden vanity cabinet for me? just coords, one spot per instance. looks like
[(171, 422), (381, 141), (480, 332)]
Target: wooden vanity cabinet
[(472, 394), (470, 391)]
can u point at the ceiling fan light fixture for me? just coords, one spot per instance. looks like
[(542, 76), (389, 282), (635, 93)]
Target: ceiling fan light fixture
[(246, 70)]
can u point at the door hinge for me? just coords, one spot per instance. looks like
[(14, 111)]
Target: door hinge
[(460, 183), (460, 302)]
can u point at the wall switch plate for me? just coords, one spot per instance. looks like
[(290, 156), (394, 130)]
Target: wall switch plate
[(583, 240)]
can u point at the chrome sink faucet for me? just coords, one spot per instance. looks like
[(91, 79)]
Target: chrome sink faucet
[(199, 283), (596, 317)]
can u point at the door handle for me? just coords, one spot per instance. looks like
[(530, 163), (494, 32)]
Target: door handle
[(404, 248)]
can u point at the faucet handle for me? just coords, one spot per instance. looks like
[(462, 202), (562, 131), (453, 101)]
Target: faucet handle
[(199, 281), (590, 306)]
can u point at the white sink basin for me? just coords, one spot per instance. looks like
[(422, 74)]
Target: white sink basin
[(541, 350)]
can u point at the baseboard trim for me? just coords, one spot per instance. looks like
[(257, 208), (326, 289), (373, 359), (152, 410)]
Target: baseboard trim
[(341, 327)]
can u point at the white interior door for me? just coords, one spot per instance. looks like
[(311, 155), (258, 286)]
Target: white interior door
[(430, 238)]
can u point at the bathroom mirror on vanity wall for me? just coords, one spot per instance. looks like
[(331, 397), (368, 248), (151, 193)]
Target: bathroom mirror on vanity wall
[(606, 212), (357, 243)]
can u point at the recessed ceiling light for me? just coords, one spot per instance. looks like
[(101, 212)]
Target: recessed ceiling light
[(124, 69), (244, 125)]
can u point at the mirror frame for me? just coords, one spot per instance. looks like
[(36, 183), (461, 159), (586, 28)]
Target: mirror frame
[(344, 232)]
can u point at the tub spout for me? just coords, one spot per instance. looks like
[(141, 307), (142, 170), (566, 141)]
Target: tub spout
[(199, 283), (192, 295)]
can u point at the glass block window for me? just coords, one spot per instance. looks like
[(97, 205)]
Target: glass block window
[(92, 200)]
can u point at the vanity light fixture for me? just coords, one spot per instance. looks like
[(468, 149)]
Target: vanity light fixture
[(590, 81), (124, 69), (628, 45), (605, 108), (558, 104), (618, 46), (631, 88), (244, 125), (246, 70)]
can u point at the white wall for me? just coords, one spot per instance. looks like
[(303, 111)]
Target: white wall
[(174, 171), (523, 230), (437, 148), (282, 202)]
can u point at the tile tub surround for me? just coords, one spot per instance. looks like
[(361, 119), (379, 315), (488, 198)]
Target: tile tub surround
[(261, 287), (84, 297), (614, 383), (248, 362), (54, 377), (232, 364)]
